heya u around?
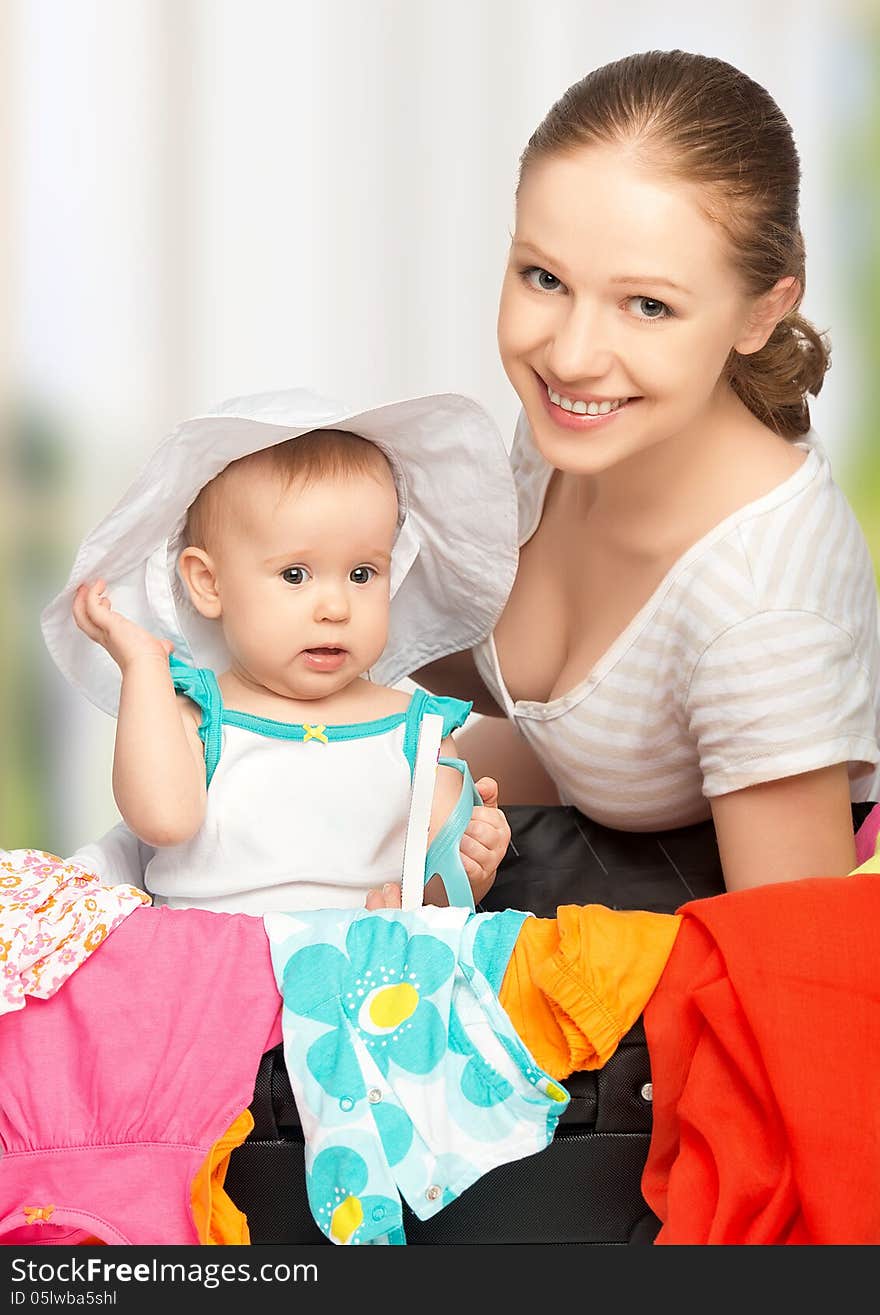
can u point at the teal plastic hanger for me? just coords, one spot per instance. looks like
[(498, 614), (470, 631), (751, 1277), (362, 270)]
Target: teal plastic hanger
[(422, 861), (443, 858)]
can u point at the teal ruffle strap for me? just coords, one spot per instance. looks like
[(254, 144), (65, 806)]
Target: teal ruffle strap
[(200, 685), (454, 712)]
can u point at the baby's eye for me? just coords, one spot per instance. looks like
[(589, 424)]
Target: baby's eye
[(362, 574), (295, 575), (541, 279), (648, 308)]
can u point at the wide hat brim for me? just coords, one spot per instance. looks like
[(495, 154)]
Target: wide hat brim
[(453, 562)]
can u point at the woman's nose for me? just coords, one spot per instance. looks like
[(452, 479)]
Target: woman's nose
[(580, 346)]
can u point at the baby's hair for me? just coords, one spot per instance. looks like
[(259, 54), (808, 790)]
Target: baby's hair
[(318, 455), (703, 121)]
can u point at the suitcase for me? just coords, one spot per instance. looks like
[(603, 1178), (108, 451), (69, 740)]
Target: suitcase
[(585, 1187)]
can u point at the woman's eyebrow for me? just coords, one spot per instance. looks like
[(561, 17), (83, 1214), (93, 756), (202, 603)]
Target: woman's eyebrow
[(654, 280), (522, 245)]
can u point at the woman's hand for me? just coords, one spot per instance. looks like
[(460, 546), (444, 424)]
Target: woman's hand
[(123, 640)]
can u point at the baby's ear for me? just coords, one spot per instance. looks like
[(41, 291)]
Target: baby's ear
[(200, 577)]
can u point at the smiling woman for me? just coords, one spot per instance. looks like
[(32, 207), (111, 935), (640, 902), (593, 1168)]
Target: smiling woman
[(584, 341), (693, 629)]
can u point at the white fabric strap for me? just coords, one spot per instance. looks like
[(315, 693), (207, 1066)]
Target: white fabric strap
[(416, 844)]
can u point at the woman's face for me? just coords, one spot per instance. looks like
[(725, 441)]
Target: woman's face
[(618, 310)]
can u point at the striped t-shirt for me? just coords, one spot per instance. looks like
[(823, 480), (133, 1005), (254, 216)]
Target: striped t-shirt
[(756, 657)]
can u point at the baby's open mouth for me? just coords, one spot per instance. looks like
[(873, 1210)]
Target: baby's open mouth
[(326, 657)]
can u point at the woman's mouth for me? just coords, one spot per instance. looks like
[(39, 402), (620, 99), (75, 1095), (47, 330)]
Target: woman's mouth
[(581, 413)]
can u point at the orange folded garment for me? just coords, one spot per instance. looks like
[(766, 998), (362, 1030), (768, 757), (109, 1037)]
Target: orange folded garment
[(217, 1218), (576, 983)]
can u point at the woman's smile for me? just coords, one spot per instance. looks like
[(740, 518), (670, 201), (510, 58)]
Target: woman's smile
[(580, 412)]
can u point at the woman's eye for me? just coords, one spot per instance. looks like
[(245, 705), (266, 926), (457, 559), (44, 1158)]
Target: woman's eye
[(295, 575), (362, 574), (541, 279), (649, 308)]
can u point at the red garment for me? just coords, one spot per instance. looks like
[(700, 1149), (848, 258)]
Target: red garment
[(764, 1038)]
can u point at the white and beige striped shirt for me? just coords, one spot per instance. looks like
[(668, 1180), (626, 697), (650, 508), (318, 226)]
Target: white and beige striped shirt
[(757, 657)]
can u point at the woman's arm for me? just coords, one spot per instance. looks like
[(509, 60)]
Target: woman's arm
[(800, 826), (158, 761), (494, 747)]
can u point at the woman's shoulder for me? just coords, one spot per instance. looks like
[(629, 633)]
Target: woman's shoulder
[(803, 542), (794, 630), (797, 550)]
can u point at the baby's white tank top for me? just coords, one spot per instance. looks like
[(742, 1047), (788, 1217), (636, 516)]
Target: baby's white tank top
[(298, 816)]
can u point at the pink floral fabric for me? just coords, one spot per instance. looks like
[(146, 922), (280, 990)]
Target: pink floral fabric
[(53, 914)]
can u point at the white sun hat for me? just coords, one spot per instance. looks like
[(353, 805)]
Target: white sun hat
[(453, 561)]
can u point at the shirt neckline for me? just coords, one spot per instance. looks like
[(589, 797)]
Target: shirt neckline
[(816, 463), (320, 731)]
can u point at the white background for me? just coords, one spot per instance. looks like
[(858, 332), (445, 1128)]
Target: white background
[(212, 197)]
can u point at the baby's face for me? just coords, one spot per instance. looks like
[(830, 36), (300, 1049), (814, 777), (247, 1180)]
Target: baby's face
[(303, 574)]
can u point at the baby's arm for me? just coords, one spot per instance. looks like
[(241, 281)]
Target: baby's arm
[(483, 844), (158, 761), (447, 788)]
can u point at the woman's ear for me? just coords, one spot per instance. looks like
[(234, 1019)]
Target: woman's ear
[(200, 577), (766, 313)]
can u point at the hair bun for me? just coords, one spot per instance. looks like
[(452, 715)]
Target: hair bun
[(774, 382)]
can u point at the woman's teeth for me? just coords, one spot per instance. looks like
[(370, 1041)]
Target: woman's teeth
[(586, 408)]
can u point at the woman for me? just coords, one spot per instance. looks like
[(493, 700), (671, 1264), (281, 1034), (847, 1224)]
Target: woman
[(693, 628)]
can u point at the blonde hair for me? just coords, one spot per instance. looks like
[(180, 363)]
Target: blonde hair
[(703, 121), (309, 458)]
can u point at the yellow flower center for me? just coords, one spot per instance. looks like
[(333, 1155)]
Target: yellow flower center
[(391, 1007), (347, 1218)]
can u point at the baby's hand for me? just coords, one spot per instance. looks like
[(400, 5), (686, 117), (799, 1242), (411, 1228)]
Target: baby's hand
[(384, 897), (482, 848), (123, 640), (485, 840)]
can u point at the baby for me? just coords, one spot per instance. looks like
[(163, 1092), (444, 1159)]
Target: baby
[(284, 781), (304, 554)]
